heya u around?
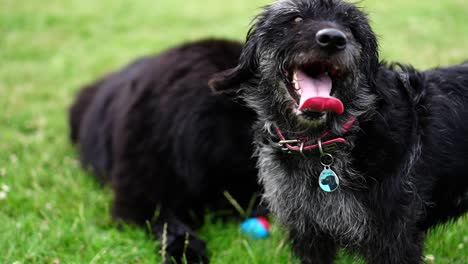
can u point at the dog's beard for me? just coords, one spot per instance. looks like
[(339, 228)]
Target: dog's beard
[(299, 206)]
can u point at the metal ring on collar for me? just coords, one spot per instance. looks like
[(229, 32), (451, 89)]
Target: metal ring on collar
[(301, 149), (319, 143), (323, 157)]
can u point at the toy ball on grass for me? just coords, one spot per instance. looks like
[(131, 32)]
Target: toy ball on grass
[(256, 227)]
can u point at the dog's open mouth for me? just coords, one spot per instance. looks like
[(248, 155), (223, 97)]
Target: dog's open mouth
[(311, 87)]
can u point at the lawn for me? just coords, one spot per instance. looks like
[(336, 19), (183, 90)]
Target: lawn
[(53, 212)]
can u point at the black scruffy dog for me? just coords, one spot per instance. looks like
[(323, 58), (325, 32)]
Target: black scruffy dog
[(167, 144), (352, 152)]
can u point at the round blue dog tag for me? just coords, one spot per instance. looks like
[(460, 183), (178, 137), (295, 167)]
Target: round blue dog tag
[(328, 181)]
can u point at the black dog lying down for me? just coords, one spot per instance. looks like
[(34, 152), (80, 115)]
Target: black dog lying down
[(167, 145), (376, 154)]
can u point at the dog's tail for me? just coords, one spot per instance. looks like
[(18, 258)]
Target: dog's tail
[(80, 107)]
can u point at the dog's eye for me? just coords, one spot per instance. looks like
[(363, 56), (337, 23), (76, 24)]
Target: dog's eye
[(298, 20), (342, 15)]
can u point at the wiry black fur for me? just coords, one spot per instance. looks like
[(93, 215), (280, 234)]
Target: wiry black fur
[(168, 146), (404, 168)]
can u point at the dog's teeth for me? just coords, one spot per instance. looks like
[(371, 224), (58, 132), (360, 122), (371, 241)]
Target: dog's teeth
[(296, 83)]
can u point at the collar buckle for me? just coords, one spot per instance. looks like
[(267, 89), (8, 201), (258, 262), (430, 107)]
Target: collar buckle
[(283, 144), (288, 141)]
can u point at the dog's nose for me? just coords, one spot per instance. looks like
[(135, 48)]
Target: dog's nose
[(331, 39)]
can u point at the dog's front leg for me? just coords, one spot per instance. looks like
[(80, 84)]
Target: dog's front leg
[(179, 243), (314, 249)]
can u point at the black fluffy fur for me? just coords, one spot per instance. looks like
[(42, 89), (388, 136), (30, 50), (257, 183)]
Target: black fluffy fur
[(168, 146), (404, 168)]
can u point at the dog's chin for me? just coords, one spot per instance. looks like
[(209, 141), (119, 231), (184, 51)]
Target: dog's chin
[(311, 120)]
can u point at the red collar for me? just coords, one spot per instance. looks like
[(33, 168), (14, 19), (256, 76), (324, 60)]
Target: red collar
[(300, 143)]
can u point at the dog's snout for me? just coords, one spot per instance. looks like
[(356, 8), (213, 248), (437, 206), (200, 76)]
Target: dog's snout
[(331, 39)]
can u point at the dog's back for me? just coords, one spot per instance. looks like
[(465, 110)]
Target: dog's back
[(89, 118), (166, 141), (444, 134), (437, 99)]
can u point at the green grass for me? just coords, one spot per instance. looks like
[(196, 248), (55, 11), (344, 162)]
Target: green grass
[(54, 212)]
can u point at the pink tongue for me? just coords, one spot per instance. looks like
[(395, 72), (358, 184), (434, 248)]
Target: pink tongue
[(315, 94)]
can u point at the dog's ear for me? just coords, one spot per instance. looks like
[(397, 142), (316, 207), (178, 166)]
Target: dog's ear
[(231, 79), (228, 80)]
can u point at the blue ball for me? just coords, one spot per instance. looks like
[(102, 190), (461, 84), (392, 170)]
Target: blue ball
[(256, 228)]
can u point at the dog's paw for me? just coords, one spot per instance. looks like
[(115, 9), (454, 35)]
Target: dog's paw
[(184, 249)]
